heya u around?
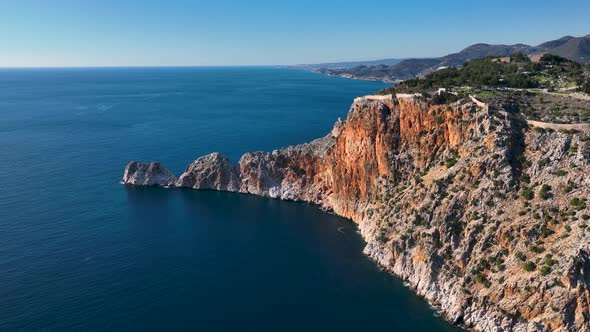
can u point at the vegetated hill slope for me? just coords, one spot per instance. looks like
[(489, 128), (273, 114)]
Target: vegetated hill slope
[(552, 90)]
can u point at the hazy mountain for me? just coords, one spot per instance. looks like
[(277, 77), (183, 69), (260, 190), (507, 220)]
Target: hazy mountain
[(349, 64), (577, 49), (573, 48), (556, 43)]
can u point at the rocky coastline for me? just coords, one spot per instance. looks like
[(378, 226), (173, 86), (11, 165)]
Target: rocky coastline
[(479, 212)]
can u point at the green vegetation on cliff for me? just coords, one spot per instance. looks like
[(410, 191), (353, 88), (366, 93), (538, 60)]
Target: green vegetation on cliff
[(550, 89), (551, 72)]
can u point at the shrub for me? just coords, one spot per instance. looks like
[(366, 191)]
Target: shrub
[(483, 280), (545, 191), (569, 131), (545, 270), (443, 98), (578, 203), (573, 148), (527, 193), (540, 130), (570, 186), (543, 162), (418, 179), (529, 266), (381, 238), (537, 249), (549, 261), (520, 256), (525, 178), (547, 232), (451, 162)]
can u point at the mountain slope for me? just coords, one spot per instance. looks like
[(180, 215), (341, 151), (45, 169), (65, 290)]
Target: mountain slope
[(577, 49), (556, 43)]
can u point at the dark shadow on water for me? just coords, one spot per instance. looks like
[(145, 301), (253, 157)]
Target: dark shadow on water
[(249, 262)]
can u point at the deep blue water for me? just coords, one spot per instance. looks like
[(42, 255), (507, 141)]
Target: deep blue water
[(78, 250)]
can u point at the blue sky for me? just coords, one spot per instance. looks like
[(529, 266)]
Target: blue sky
[(260, 32)]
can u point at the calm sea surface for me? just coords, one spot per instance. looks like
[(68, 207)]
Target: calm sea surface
[(80, 251)]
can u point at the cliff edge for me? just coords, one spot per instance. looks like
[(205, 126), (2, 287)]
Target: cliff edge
[(481, 213)]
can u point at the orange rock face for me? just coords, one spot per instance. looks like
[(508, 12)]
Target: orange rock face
[(448, 197)]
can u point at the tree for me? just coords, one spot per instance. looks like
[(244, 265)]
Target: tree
[(553, 59)]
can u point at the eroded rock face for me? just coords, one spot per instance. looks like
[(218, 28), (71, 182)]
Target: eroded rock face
[(212, 171), (442, 195), (147, 174)]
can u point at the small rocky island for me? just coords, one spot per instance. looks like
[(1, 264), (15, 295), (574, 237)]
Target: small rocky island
[(483, 211)]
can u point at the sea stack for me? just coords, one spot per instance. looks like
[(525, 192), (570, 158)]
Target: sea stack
[(147, 174)]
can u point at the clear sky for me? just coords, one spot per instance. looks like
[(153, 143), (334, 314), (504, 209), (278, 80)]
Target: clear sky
[(261, 32)]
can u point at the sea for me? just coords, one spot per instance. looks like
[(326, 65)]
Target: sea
[(81, 251)]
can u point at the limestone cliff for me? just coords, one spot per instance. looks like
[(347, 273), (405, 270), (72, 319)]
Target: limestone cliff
[(483, 215)]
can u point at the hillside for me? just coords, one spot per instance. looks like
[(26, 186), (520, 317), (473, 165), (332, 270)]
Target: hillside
[(577, 49), (552, 89), (573, 48)]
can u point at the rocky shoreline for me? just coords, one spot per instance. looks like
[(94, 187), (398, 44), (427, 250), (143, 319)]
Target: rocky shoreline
[(479, 213), (384, 79)]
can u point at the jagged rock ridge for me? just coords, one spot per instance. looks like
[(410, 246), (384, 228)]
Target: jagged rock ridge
[(482, 215)]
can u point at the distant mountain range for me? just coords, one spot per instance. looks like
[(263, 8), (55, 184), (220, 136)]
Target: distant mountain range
[(350, 64), (391, 70)]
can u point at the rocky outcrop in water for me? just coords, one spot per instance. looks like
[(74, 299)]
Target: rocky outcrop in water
[(483, 215), (147, 174), (213, 171)]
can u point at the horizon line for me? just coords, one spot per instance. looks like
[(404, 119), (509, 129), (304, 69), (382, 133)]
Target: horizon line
[(138, 66), (271, 65)]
